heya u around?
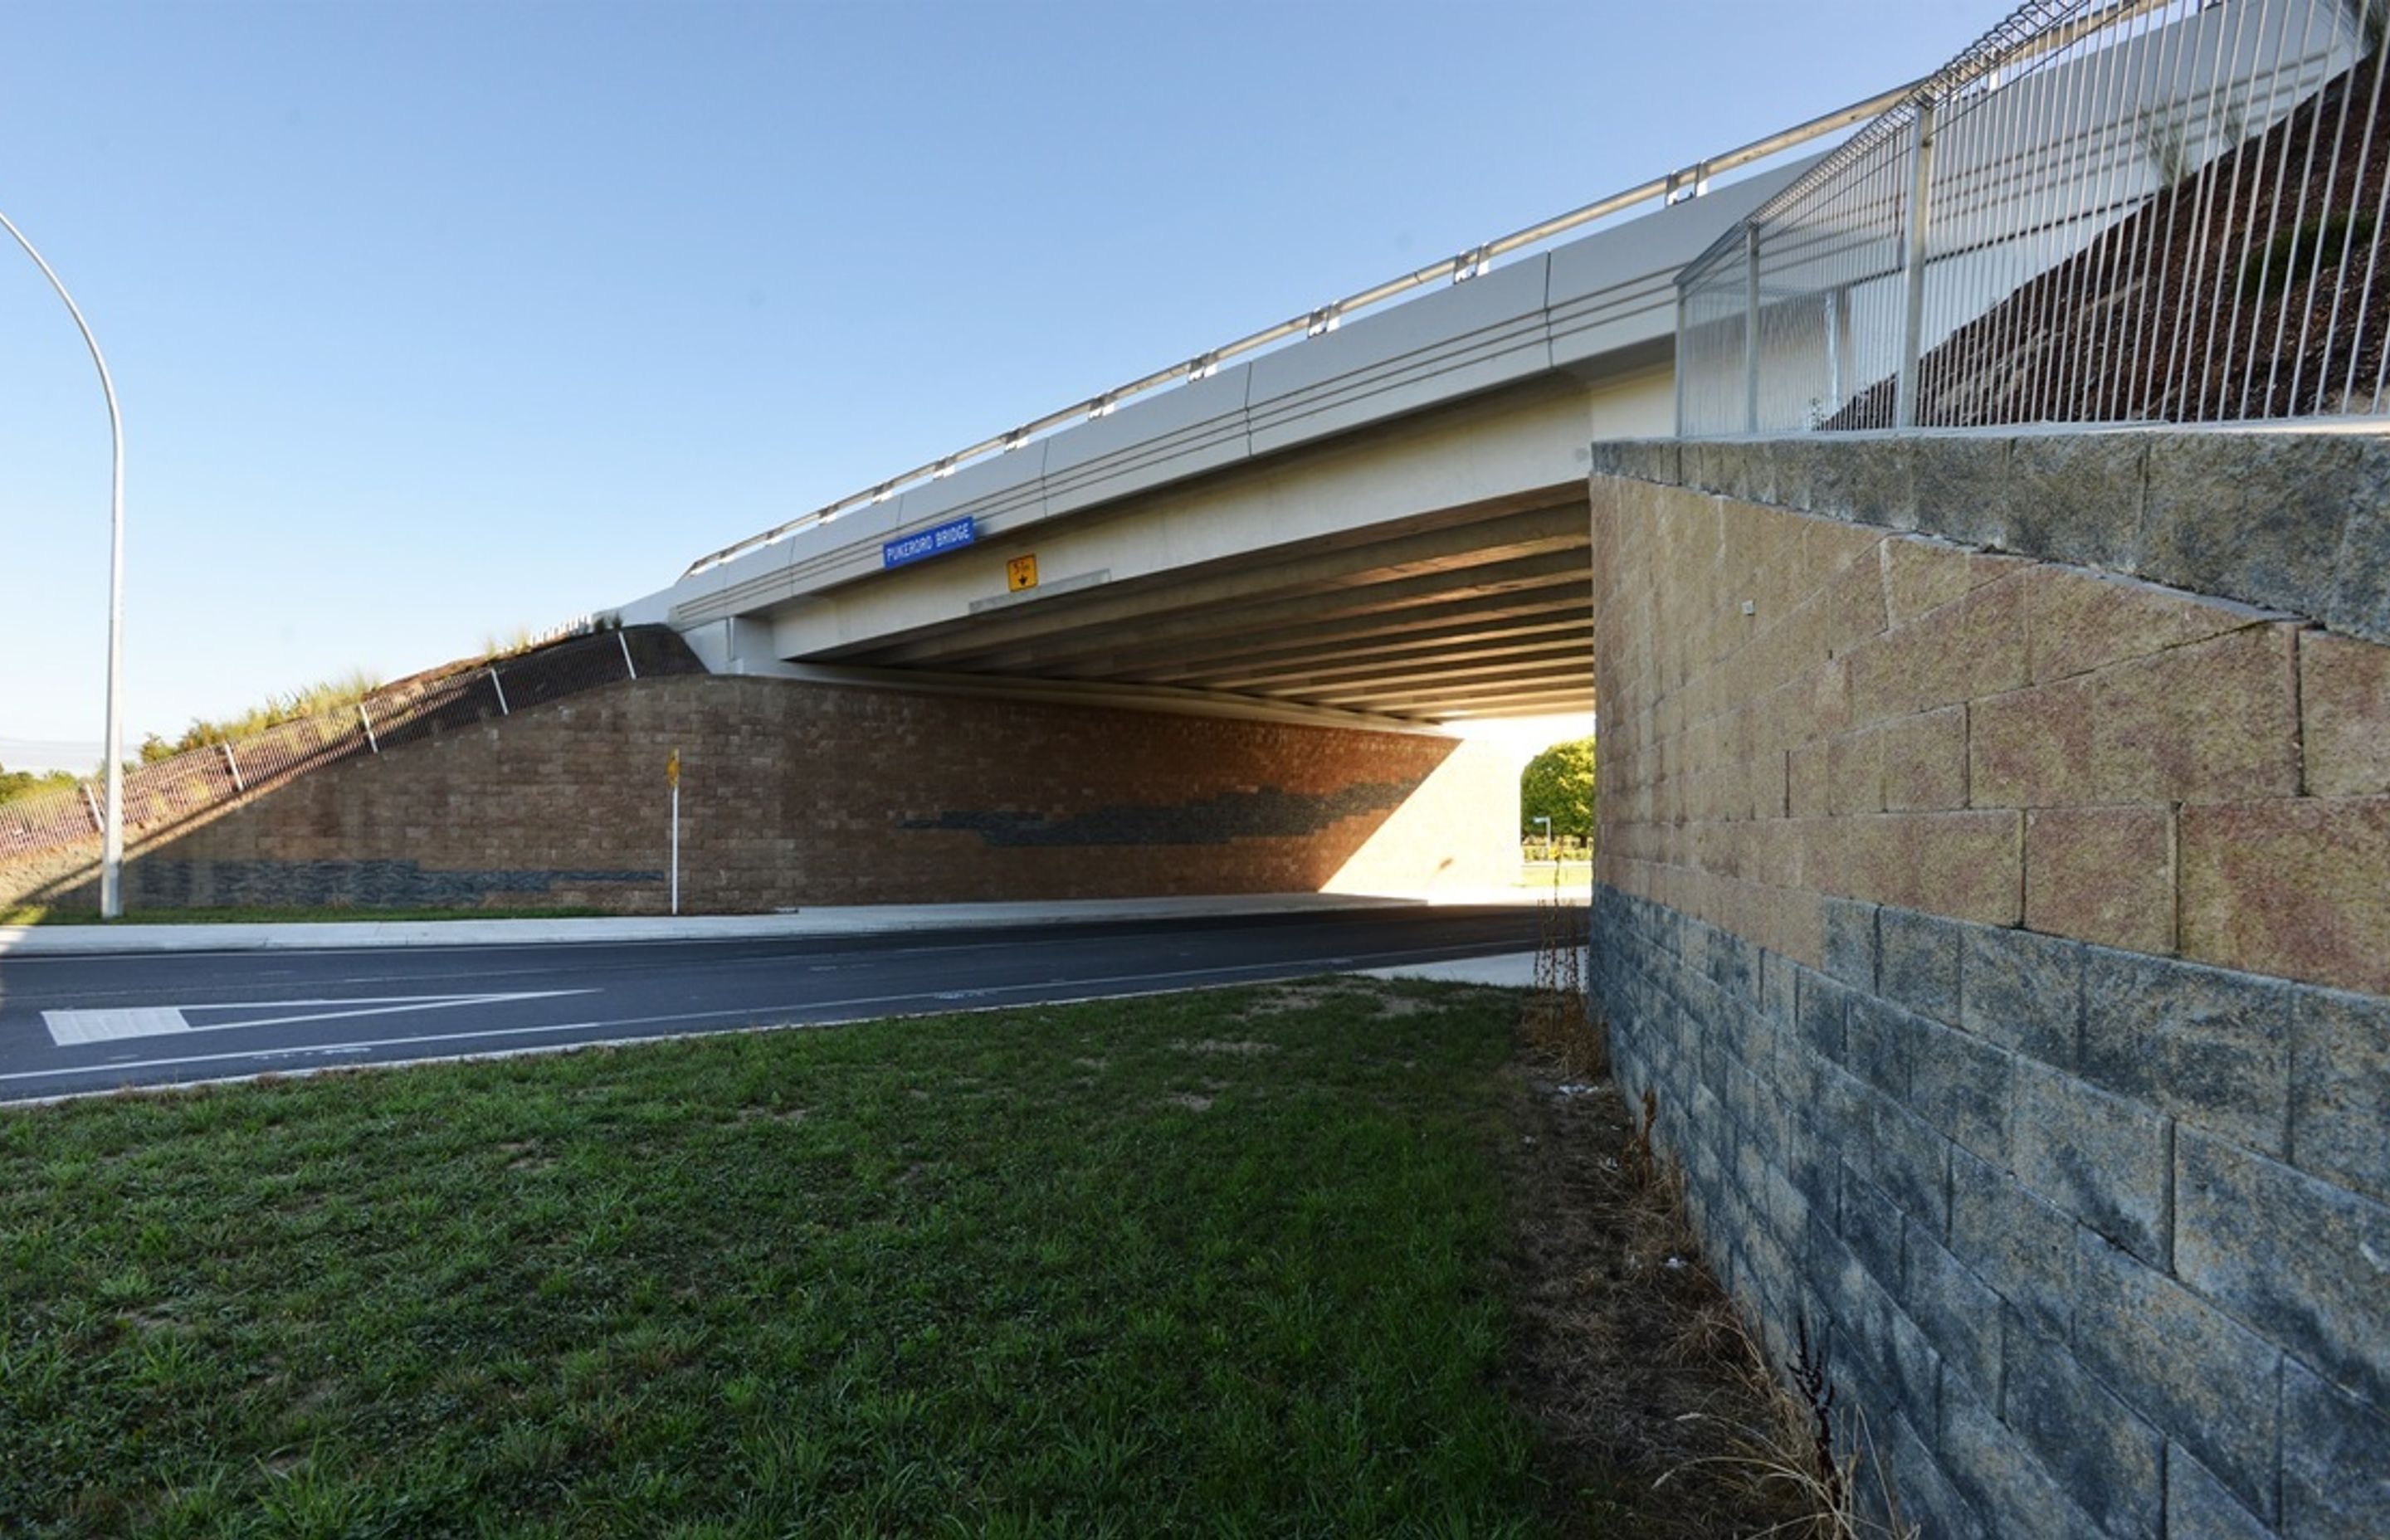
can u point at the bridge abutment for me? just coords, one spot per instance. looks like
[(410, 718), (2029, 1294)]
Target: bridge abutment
[(801, 794)]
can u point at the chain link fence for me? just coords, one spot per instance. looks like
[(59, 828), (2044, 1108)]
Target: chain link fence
[(161, 795), (2155, 211)]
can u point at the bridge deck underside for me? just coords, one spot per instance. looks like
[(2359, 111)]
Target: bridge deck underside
[(1467, 614)]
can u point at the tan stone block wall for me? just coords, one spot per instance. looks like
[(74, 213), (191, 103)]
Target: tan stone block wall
[(800, 794), (1795, 707)]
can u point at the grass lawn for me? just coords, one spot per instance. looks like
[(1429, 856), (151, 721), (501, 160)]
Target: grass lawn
[(1325, 1259), (1209, 1262)]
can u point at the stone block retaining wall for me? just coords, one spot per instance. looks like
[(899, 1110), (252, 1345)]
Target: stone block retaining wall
[(2004, 937)]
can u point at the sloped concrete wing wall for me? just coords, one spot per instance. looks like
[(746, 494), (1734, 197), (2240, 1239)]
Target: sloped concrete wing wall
[(1994, 895), (800, 794)]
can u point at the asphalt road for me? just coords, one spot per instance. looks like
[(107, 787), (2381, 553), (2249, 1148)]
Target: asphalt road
[(75, 1026)]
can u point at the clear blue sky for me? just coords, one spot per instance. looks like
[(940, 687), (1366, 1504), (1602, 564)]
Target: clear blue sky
[(436, 321)]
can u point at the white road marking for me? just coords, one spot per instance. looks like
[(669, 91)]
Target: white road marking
[(753, 1012), (73, 1028), (70, 1027)]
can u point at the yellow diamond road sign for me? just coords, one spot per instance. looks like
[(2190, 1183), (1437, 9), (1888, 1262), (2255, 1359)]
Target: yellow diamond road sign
[(671, 769)]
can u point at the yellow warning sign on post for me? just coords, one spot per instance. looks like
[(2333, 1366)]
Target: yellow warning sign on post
[(671, 769), (1021, 573)]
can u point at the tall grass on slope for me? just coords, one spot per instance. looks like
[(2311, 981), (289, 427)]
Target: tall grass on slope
[(329, 695)]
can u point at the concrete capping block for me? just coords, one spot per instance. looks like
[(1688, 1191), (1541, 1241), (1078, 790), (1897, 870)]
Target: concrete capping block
[(1729, 467), (1655, 460), (1961, 488), (2291, 519), (2077, 498), (2359, 604), (1016, 481), (1792, 466), (1864, 478), (2257, 516), (1493, 325)]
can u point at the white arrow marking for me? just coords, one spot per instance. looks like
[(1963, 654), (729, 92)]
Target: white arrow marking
[(71, 1028)]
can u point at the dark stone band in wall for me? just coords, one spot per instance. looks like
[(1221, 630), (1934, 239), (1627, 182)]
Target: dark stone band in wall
[(1268, 812), (2092, 1241), (161, 884), (2294, 519)]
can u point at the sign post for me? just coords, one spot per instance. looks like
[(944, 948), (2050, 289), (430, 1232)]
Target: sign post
[(672, 776)]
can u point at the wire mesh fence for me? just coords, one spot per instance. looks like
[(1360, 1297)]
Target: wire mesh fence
[(168, 792), (2162, 210)]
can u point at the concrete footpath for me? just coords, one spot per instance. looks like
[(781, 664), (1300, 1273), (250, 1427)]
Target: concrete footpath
[(23, 940)]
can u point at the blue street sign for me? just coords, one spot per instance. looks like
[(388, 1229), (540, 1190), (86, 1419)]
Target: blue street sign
[(935, 541)]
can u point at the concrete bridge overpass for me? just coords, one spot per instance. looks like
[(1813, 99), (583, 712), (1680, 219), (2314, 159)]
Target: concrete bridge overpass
[(1388, 517), (1993, 885)]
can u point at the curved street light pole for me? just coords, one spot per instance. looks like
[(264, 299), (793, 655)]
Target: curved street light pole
[(111, 838)]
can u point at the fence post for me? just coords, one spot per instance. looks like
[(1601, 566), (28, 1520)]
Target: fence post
[(502, 693), (1835, 320), (625, 642), (371, 742), (1912, 263), (234, 765), (1751, 327), (1681, 313), (91, 805)]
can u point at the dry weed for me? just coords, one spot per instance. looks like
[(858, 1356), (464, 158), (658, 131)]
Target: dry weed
[(1662, 1412), (1558, 1022)]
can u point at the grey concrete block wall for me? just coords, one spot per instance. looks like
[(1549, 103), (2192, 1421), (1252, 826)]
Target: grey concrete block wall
[(2045, 1210)]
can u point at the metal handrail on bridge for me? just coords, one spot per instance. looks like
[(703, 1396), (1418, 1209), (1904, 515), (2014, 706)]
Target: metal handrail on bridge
[(1687, 182)]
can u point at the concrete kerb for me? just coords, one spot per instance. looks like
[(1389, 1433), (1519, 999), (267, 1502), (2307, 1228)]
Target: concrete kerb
[(26, 941)]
